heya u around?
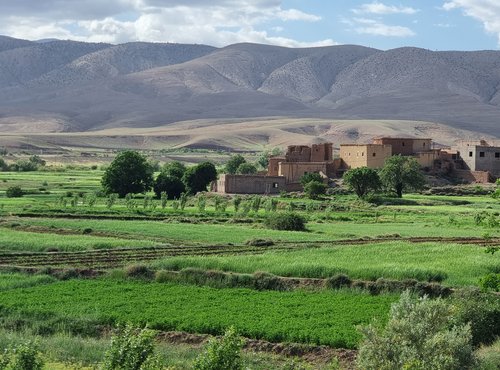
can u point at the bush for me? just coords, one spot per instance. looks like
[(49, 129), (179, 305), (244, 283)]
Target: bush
[(314, 189), (24, 356), (490, 282), (482, 311), (308, 177), (224, 353), (139, 271), (131, 349), (338, 281), (418, 335), (286, 221), (14, 192)]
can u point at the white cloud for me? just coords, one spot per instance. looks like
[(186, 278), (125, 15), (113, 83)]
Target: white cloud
[(377, 28), (381, 9), (485, 11), (214, 22)]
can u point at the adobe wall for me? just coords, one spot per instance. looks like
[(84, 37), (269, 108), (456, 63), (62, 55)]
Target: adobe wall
[(364, 155), (298, 153), (321, 152), (294, 171), (426, 159), (405, 146), (250, 184), (482, 177), (273, 165)]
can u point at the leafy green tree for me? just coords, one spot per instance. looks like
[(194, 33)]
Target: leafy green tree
[(224, 353), (362, 180), (308, 177), (14, 192), (401, 174), (174, 169), (129, 172), (314, 189), (24, 356), (198, 177), (418, 335), (172, 185), (234, 162), (3, 165), (246, 169)]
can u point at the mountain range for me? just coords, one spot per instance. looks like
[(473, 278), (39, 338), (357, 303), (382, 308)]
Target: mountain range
[(69, 86)]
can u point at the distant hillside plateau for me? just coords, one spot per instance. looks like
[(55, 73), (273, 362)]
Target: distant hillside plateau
[(74, 87)]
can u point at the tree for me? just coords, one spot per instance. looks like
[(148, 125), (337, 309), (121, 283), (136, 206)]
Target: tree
[(401, 174), (129, 172), (234, 162), (169, 184), (308, 177), (263, 159), (198, 177), (246, 169), (362, 180), (175, 169), (314, 189), (418, 335), (3, 165)]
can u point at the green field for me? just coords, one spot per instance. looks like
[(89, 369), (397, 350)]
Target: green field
[(328, 318)]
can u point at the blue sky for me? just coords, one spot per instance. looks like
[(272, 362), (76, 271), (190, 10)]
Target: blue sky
[(384, 24)]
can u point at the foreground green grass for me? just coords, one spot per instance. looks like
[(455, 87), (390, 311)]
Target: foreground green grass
[(460, 265), (328, 318), (17, 240)]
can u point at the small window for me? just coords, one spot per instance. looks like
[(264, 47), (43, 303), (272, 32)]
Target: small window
[(454, 156), (403, 143), (470, 154), (374, 154), (275, 185), (362, 154), (423, 145), (481, 154), (349, 154), (497, 154)]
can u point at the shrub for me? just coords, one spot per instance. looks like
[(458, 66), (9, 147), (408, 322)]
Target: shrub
[(139, 271), (224, 353), (418, 335), (131, 349), (24, 356), (338, 281), (482, 311), (14, 192), (490, 282), (314, 189), (286, 221), (308, 177)]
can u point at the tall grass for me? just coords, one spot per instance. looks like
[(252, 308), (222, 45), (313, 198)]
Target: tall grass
[(456, 265)]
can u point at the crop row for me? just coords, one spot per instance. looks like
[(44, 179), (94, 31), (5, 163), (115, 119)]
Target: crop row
[(328, 318)]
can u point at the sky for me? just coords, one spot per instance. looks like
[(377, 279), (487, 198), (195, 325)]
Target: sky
[(384, 24)]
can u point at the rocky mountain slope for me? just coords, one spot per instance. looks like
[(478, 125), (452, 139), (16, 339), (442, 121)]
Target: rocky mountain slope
[(73, 86)]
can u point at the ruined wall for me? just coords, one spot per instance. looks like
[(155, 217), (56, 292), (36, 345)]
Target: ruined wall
[(298, 153), (321, 152), (364, 155), (250, 184)]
